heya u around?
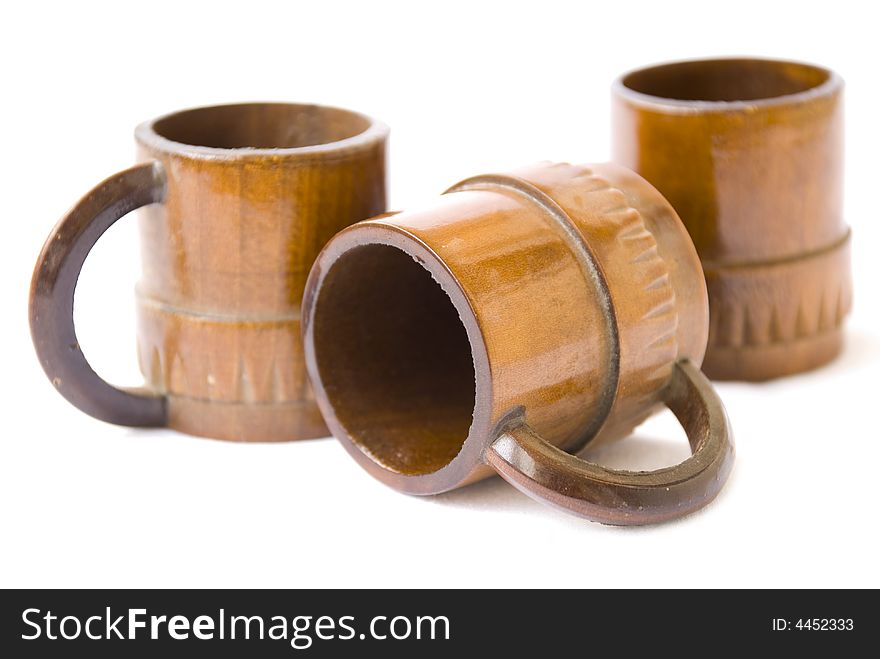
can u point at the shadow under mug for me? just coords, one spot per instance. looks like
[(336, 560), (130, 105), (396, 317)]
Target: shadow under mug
[(509, 325), (239, 199), (750, 154)]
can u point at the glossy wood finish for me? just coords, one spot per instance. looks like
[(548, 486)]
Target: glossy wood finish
[(249, 194), (556, 298), (749, 152)]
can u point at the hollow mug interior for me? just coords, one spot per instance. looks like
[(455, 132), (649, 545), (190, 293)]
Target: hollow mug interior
[(725, 80), (394, 359), (261, 126)]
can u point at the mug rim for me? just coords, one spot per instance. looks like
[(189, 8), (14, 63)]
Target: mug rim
[(830, 86), (147, 135)]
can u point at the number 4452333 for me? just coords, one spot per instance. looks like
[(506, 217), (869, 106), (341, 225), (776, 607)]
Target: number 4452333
[(814, 624)]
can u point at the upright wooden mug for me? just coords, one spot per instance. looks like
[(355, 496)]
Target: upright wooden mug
[(509, 325), (750, 154), (239, 200)]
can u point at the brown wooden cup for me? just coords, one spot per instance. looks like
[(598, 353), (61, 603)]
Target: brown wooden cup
[(239, 200), (517, 320), (750, 154)]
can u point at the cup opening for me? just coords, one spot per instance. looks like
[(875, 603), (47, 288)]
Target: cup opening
[(394, 359), (726, 80), (261, 126)]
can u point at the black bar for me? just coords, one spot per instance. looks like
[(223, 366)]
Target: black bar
[(435, 623)]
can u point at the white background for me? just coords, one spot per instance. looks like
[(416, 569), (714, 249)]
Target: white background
[(467, 88)]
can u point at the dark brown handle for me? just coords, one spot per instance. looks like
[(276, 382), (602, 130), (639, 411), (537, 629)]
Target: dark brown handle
[(52, 290), (612, 496)]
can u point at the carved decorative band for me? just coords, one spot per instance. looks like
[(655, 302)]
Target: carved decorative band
[(781, 302), (199, 356), (652, 318)]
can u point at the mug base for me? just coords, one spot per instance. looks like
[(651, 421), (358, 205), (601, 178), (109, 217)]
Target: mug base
[(246, 422), (760, 363)]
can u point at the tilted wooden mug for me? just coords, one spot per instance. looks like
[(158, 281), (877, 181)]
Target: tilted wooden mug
[(750, 154), (517, 320), (239, 200)]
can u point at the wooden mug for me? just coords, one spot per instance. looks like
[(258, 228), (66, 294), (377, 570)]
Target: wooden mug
[(750, 154), (239, 200), (517, 320)]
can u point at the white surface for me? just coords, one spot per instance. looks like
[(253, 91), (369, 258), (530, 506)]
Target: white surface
[(466, 88)]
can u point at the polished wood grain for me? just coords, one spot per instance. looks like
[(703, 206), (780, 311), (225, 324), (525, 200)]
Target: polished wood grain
[(558, 298), (750, 154), (245, 197)]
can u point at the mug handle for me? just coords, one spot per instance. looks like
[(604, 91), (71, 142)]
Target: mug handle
[(52, 291), (625, 498)]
